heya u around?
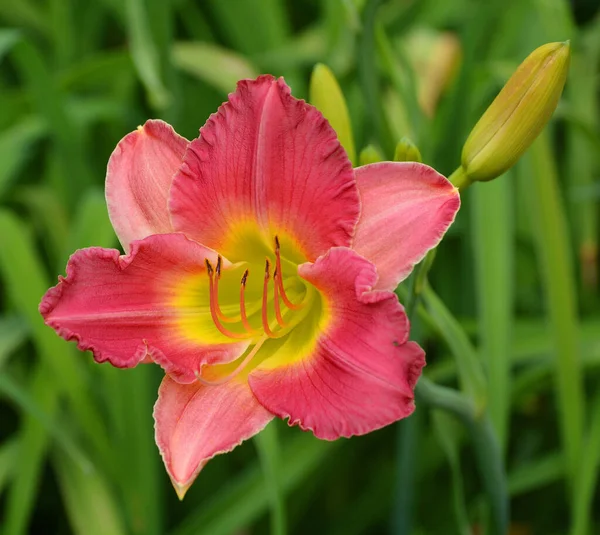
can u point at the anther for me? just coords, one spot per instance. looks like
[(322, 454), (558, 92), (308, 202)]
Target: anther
[(245, 321), (218, 268), (214, 305), (209, 267)]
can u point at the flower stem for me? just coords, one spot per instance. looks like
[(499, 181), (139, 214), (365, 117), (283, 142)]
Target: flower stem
[(267, 445), (460, 179)]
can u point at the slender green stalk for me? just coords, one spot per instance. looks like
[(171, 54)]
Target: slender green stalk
[(493, 250), (367, 69), (268, 451), (587, 479), (470, 372), (553, 250)]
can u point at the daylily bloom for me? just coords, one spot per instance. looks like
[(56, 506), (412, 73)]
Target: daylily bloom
[(258, 273)]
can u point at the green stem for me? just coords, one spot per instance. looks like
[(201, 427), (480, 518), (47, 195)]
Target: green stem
[(267, 445), (488, 454), (460, 179)]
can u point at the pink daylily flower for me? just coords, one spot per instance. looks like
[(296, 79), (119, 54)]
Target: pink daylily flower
[(259, 273)]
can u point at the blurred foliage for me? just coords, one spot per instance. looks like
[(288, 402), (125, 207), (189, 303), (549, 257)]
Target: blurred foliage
[(519, 268)]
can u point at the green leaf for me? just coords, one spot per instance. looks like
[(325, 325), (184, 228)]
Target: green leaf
[(212, 64), (13, 332), (89, 501), (558, 283), (245, 498), (15, 148), (145, 54)]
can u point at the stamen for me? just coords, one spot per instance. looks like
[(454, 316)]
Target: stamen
[(220, 314), (279, 281), (235, 372), (265, 301), (245, 321), (214, 305), (276, 299)]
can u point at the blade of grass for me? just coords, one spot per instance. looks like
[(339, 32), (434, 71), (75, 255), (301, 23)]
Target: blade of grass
[(89, 502), (245, 498), (9, 451), (267, 445), (13, 332), (587, 478), (553, 251), (470, 373), (22, 399), (446, 433), (536, 474), (49, 103), (145, 54), (33, 442), (212, 64), (22, 272), (15, 148), (492, 232)]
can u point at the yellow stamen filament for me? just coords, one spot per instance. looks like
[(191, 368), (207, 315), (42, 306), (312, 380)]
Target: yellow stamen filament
[(237, 371), (279, 280)]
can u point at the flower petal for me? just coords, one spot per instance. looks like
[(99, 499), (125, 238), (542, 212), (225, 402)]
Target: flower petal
[(359, 373), (406, 209), (268, 160), (125, 308), (195, 422), (138, 179)]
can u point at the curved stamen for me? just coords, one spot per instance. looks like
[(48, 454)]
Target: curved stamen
[(279, 280), (265, 302), (214, 305), (243, 315), (235, 372), (220, 314), (278, 315)]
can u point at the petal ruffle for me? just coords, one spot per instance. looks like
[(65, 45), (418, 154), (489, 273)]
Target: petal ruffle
[(125, 308), (266, 160), (360, 373), (406, 209), (195, 422), (138, 179)]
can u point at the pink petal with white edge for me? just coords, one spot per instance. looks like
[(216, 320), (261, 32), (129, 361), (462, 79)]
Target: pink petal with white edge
[(122, 307), (406, 209), (270, 159), (361, 373), (194, 423), (138, 179)]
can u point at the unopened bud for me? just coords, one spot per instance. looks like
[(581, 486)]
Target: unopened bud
[(407, 151), (518, 114), (370, 154), (327, 97)]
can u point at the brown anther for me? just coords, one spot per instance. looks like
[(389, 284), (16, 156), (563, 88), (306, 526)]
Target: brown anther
[(276, 243), (218, 268), (209, 267), (244, 278), (267, 269)]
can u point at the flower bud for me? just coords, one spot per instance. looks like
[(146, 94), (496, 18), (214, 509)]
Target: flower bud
[(518, 114), (370, 154), (407, 151), (327, 97)]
